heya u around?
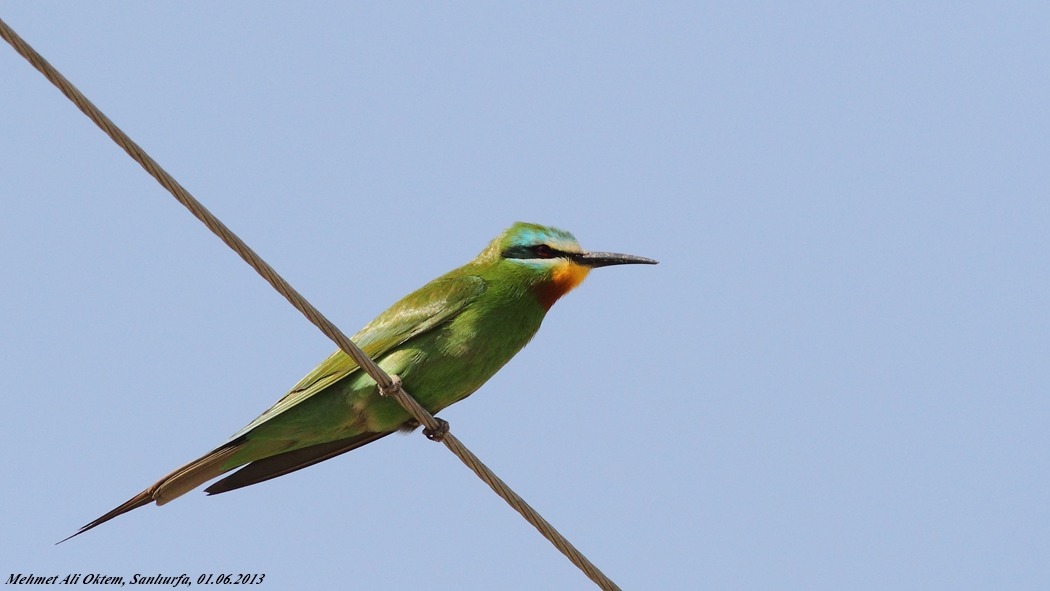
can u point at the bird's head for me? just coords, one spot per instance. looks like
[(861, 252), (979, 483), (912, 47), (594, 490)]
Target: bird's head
[(550, 261)]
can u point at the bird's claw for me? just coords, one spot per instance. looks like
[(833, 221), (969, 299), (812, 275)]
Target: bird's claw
[(439, 433)]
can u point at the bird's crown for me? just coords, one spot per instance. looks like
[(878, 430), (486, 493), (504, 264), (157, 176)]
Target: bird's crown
[(534, 242)]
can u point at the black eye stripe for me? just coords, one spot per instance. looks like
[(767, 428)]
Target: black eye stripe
[(536, 251)]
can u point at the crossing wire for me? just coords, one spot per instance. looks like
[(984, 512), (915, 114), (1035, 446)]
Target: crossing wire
[(388, 385)]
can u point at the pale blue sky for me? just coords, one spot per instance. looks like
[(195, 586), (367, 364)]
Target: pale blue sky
[(837, 377)]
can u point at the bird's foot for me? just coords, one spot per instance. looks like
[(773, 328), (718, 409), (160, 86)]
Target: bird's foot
[(439, 433), (395, 384)]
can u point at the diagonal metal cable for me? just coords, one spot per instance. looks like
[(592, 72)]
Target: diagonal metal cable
[(389, 386)]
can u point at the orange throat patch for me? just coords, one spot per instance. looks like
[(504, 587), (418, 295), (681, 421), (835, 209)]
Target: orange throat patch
[(564, 278)]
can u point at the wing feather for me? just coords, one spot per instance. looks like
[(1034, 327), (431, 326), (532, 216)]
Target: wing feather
[(290, 461), (437, 302)]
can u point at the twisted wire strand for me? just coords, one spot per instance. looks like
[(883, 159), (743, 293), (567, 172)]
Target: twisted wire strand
[(389, 386)]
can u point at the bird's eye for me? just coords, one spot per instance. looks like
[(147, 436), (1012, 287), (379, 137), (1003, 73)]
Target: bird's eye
[(544, 251)]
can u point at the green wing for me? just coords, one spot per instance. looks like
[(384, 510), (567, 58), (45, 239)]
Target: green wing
[(418, 312)]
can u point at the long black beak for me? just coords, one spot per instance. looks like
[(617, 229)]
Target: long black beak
[(604, 259)]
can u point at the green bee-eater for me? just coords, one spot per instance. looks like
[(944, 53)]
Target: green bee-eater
[(444, 340)]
